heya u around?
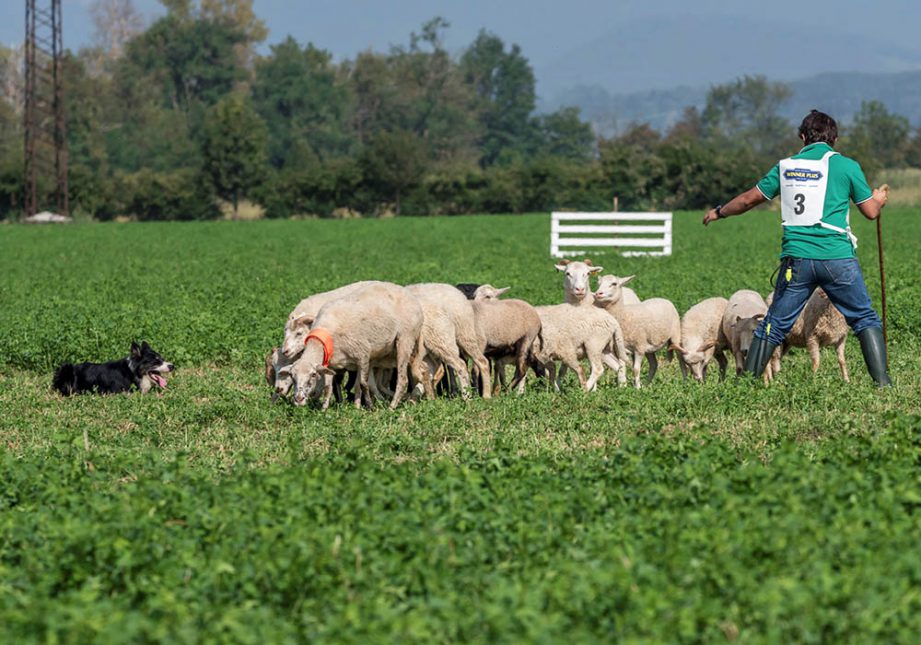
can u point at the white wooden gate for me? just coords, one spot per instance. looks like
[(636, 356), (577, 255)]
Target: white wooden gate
[(570, 234)]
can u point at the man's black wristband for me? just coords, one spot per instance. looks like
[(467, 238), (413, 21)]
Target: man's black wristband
[(719, 212)]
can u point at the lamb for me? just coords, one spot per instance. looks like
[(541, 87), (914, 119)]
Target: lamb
[(451, 329), (508, 328), (702, 338), (647, 327), (570, 333), (576, 285), (820, 324), (745, 311), (303, 315), (274, 362), (379, 325)]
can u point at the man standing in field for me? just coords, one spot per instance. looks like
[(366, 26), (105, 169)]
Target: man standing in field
[(818, 248)]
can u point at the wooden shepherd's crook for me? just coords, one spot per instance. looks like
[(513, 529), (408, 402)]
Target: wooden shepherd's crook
[(882, 271)]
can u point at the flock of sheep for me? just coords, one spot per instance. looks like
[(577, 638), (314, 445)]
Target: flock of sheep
[(391, 339)]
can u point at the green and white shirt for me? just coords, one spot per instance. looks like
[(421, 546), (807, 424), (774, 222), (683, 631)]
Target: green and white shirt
[(845, 182)]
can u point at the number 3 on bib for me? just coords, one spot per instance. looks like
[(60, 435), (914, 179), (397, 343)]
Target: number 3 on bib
[(803, 183)]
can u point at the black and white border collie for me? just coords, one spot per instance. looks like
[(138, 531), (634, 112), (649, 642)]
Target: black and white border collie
[(142, 369)]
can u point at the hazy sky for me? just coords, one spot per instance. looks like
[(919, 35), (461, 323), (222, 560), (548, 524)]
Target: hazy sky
[(551, 30)]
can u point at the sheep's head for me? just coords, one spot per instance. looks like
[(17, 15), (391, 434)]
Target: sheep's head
[(488, 292), (696, 360), (610, 288), (307, 377), (576, 278), (296, 331), (276, 374), (744, 329)]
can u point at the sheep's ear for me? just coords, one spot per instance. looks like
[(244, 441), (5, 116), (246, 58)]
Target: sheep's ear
[(678, 348), (624, 281), (708, 346), (561, 266), (587, 261), (759, 317), (593, 269), (325, 371), (284, 371), (499, 292), (303, 319)]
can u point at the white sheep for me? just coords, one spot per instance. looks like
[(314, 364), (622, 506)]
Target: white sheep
[(303, 315), (451, 330), (379, 325), (702, 338), (508, 328), (745, 311), (647, 327), (577, 289), (819, 325), (570, 333)]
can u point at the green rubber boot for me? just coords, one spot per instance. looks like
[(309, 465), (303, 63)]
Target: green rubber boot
[(874, 354), (759, 354)]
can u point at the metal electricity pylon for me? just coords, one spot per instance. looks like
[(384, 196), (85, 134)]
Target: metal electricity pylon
[(43, 118)]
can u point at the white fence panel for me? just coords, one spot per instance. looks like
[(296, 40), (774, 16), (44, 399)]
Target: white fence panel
[(656, 229)]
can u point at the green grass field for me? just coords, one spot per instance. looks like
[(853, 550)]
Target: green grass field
[(679, 512)]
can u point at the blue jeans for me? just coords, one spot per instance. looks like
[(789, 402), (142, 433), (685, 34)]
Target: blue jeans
[(842, 280)]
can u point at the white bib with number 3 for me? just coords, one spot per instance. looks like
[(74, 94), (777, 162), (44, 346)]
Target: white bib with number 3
[(803, 183)]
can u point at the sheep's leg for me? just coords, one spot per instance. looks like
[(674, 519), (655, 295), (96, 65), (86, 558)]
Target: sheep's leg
[(597, 362), (337, 387), (637, 369), (616, 366), (814, 353), (328, 387), (521, 361), (409, 355), (481, 367), (723, 363), (573, 363), (653, 366), (361, 390), (551, 375), (839, 350)]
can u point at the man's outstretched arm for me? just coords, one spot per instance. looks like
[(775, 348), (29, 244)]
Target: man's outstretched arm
[(737, 205)]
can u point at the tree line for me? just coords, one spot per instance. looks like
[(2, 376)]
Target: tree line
[(173, 120)]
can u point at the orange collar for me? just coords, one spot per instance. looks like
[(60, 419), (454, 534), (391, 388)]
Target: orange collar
[(326, 339)]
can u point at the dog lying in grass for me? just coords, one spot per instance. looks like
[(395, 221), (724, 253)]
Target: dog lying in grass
[(142, 369)]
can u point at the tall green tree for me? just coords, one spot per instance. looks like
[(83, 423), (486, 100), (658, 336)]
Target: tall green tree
[(878, 138), (564, 134), (305, 105), (745, 113), (503, 82), (234, 149), (394, 164)]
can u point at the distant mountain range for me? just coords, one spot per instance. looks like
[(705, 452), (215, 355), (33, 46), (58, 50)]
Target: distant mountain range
[(630, 73), (838, 93)]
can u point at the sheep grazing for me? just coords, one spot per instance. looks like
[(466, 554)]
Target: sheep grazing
[(745, 311), (508, 328), (299, 320), (450, 330), (819, 325), (379, 325), (577, 289), (570, 333), (647, 327), (702, 338), (281, 384)]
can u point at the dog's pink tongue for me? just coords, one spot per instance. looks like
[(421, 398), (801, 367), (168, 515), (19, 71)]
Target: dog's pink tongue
[(159, 380)]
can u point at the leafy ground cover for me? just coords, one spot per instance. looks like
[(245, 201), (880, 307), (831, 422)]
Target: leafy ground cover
[(677, 512)]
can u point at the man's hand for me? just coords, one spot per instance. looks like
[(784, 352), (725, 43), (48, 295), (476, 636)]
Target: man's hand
[(872, 207), (881, 194), (711, 216)]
